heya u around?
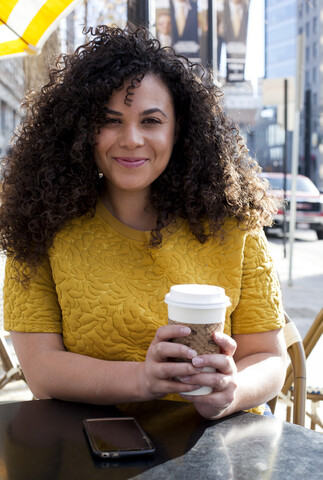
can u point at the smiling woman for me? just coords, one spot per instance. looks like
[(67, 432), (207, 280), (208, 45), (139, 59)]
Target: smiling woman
[(133, 148), (127, 178)]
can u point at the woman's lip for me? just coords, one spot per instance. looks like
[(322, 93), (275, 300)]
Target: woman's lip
[(129, 162)]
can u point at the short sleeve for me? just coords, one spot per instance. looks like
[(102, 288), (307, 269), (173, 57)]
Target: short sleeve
[(260, 305), (33, 307)]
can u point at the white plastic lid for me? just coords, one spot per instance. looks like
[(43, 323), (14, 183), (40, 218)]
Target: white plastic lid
[(197, 296)]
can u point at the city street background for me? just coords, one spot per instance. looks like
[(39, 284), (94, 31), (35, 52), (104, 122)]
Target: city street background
[(302, 301)]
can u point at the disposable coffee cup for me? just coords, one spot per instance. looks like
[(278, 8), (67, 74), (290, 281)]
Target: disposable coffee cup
[(202, 308)]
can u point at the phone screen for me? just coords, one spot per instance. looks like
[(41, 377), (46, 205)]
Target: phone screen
[(115, 437)]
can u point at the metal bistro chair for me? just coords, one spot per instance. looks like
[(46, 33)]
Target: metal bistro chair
[(296, 375), (314, 393), (12, 370)]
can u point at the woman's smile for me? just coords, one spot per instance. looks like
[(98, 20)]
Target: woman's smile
[(131, 162)]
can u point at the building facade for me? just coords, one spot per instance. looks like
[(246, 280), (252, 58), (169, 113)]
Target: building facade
[(285, 21), (280, 38), (273, 152), (11, 94), (310, 25)]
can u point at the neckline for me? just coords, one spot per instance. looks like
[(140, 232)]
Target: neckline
[(129, 232)]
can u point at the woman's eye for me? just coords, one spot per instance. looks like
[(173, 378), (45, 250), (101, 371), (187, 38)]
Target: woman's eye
[(151, 120), (112, 121)]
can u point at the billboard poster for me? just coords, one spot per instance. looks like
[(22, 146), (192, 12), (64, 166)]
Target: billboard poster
[(232, 27), (183, 25)]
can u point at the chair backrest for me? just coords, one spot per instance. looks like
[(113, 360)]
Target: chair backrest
[(296, 352), (314, 333), (310, 340), (5, 356), (296, 372)]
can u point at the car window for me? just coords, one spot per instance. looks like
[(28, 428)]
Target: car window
[(304, 184)]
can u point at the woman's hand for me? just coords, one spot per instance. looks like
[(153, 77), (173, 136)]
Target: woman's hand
[(223, 380), (160, 372)]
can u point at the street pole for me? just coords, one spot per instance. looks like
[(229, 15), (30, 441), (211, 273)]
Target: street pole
[(285, 160), (298, 103), (213, 39)]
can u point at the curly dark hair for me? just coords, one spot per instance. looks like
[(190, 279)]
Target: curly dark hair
[(51, 176)]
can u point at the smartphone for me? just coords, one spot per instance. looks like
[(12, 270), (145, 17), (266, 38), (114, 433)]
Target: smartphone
[(117, 437)]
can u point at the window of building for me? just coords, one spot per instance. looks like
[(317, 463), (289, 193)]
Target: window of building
[(307, 77), (314, 98), (307, 7), (307, 29), (280, 54), (307, 54), (315, 50), (276, 135), (314, 24), (300, 10), (314, 74), (276, 36), (280, 14)]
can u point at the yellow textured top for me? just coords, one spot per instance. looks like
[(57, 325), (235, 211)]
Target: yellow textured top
[(103, 288)]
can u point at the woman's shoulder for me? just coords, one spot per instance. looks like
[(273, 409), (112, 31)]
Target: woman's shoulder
[(230, 227), (238, 236), (235, 227)]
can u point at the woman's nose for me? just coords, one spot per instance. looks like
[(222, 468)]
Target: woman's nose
[(131, 137)]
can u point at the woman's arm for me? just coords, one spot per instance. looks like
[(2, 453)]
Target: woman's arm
[(251, 370), (52, 372)]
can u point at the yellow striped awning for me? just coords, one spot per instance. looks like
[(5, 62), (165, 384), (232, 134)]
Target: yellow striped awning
[(25, 25)]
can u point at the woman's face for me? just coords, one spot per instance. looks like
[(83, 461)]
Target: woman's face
[(134, 146)]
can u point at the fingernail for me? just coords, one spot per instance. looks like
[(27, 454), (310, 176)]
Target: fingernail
[(197, 361), (185, 330), (191, 353), (184, 379), (218, 335)]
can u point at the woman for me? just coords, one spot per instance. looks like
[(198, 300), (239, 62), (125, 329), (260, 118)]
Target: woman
[(127, 178)]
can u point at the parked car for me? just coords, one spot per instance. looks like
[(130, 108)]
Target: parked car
[(309, 201)]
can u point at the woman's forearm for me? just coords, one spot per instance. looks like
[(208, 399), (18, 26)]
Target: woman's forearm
[(53, 372), (260, 378), (75, 377)]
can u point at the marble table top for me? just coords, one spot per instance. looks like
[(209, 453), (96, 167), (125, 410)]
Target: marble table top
[(44, 439), (247, 446)]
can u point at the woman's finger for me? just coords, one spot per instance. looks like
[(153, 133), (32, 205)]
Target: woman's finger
[(162, 351), (222, 363), (218, 400), (171, 386), (227, 345), (216, 380), (168, 332), (173, 370)]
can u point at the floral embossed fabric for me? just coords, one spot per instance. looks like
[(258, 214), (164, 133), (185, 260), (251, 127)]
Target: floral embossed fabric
[(103, 288)]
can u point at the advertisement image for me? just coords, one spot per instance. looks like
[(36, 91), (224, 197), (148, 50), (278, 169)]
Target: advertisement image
[(232, 28), (183, 25)]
